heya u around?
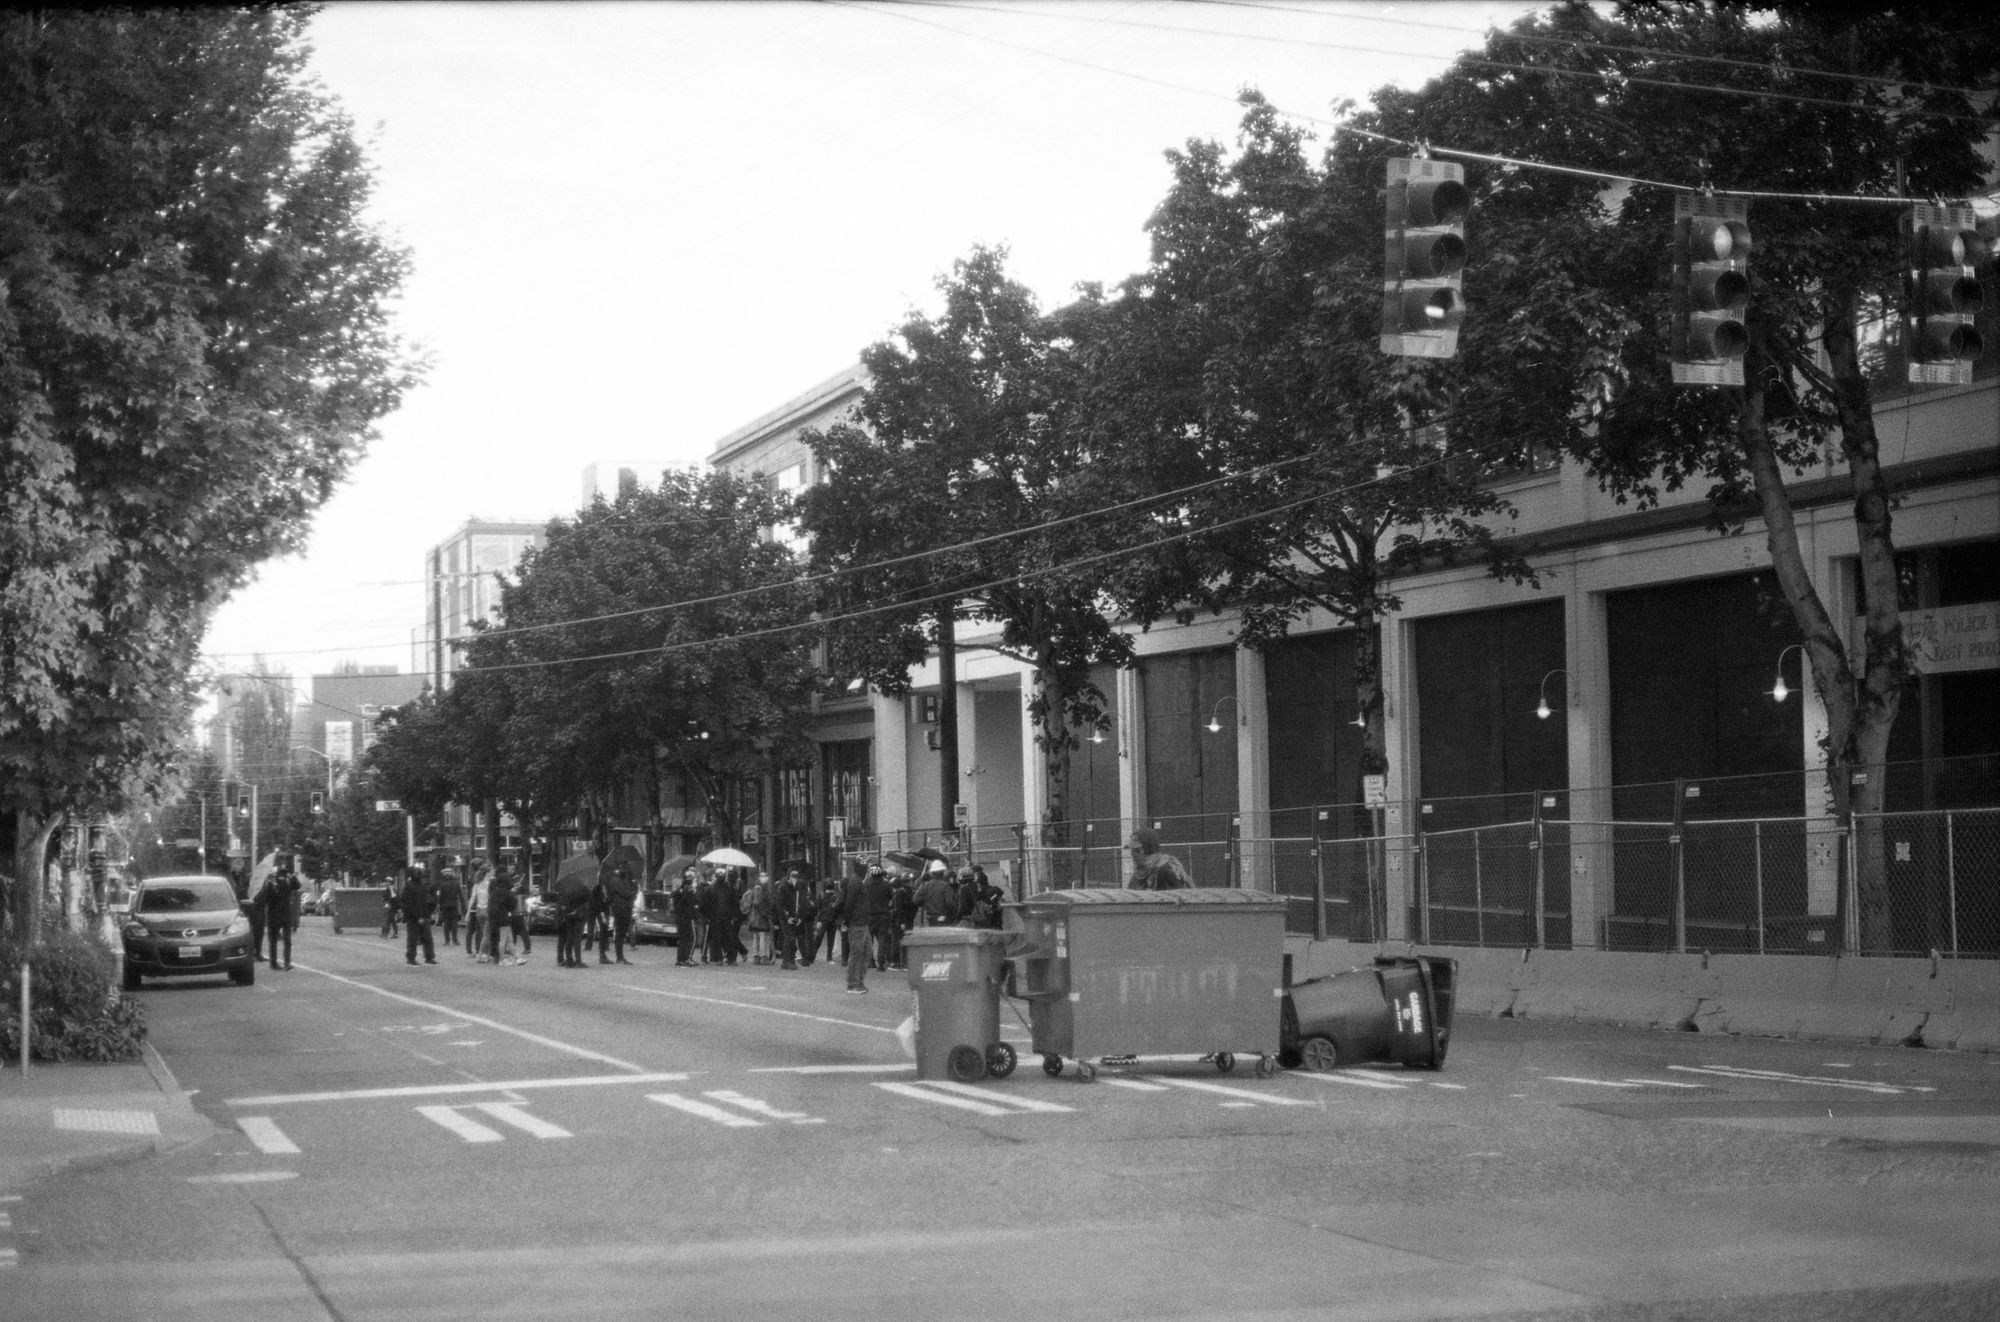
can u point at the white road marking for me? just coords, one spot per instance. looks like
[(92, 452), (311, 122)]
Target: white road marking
[(6, 1221), (761, 1009), (757, 1106), (1243, 1094), (9, 1258), (462, 1125), (1136, 1085), (494, 1024), (1595, 1083), (1666, 1083), (1003, 1099), (1779, 1076), (1238, 1106), (727, 1119), (510, 1113), (1343, 1076), (925, 1094), (443, 1089), (107, 1122), (1455, 1087), (832, 1069), (244, 1177), (264, 1132)]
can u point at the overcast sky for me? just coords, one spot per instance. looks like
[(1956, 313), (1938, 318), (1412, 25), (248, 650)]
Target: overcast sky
[(638, 226)]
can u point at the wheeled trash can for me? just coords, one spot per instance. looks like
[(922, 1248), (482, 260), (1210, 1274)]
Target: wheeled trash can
[(955, 973), (1397, 1009), (1120, 974)]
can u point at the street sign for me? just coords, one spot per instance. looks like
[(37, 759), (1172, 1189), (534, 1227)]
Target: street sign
[(961, 815), (388, 805), (1375, 790)]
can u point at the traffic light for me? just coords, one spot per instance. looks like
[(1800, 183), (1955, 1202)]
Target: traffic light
[(1423, 257), (319, 801), (1711, 289), (1942, 293)]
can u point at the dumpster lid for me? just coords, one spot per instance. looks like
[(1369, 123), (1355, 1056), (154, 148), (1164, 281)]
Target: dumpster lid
[(1185, 898)]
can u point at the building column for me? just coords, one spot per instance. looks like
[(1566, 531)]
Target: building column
[(892, 762), (1131, 730), (1256, 868), (968, 770), (1587, 708), (1399, 813)]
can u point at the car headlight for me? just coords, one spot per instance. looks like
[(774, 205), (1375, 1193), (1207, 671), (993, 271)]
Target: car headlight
[(136, 931), (238, 926)]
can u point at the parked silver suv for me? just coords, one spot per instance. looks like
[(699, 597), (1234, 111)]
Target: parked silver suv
[(184, 927)]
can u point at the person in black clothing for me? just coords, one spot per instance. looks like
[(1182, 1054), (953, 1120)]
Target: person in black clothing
[(572, 906), (499, 914), (857, 915), (621, 888), (687, 904), (881, 914), (785, 918), (417, 903), (278, 899)]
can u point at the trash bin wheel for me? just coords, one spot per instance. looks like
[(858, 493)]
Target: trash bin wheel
[(1052, 1065), (1085, 1070), (1319, 1053), (1000, 1060), (966, 1064), (1266, 1066), (1225, 1061)]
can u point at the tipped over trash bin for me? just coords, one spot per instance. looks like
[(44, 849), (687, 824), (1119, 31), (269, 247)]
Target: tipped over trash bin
[(1397, 1010), (955, 973)]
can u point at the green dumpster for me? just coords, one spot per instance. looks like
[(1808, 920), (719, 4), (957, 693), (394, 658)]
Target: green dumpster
[(955, 973), (1122, 974)]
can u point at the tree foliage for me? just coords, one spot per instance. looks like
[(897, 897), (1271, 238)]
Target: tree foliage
[(194, 345)]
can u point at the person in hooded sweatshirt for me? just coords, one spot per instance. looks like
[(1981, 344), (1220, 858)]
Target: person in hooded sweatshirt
[(1151, 869)]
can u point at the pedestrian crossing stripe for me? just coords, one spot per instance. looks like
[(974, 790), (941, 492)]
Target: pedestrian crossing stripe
[(965, 1097), (507, 1113), (1007, 1099), (757, 1106), (1357, 1080), (264, 1132), (706, 1110), (1223, 1090)]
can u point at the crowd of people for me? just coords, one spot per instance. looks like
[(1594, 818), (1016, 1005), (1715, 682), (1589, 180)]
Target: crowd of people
[(721, 915)]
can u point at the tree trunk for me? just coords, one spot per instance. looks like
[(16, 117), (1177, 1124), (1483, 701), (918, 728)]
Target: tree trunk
[(31, 851)]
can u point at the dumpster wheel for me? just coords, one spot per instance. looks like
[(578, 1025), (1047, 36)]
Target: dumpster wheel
[(1225, 1061), (1000, 1060), (1052, 1065), (1267, 1065), (1319, 1053), (966, 1064)]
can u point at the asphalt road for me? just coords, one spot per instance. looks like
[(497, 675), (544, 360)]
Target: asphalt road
[(472, 1141)]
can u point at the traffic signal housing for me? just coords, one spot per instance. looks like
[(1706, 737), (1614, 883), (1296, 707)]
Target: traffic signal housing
[(1711, 289), (1942, 293), (1423, 257), (319, 801)]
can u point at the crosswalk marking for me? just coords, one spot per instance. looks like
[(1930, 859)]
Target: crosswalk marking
[(1358, 1080), (1003, 1099), (706, 1110), (1595, 1083), (462, 1125), (511, 1113), (1243, 1094), (1779, 1076), (757, 1106), (264, 1132), (924, 1093), (1136, 1085)]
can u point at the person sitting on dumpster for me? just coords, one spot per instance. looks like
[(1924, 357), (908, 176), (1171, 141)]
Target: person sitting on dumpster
[(1151, 869)]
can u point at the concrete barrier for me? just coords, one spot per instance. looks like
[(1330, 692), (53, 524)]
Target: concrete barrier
[(1915, 1002)]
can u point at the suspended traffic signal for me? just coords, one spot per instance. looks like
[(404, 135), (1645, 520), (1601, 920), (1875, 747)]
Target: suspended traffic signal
[(1942, 293), (1711, 290), (1423, 258), (319, 801)]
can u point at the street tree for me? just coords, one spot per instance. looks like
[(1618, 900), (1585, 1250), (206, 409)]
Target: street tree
[(194, 345), (954, 495), (1720, 97)]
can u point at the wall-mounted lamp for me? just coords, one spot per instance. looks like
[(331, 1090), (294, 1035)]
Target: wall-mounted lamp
[(1215, 726), (1542, 708), (1096, 734), (1779, 691), (1360, 721)]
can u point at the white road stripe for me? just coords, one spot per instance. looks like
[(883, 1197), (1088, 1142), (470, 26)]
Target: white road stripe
[(1595, 1083), (1269, 1099), (1665, 1083), (728, 1119), (1136, 1085), (1358, 1080), (758, 1106), (510, 1113), (1001, 1098), (924, 1094), (464, 1126), (761, 1009), (832, 1069), (1455, 1087), (445, 1089), (494, 1024), (1775, 1076), (264, 1132)]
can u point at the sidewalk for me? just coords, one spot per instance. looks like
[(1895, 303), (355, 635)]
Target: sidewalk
[(61, 1116)]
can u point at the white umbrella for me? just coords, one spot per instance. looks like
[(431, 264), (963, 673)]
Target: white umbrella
[(729, 858), (265, 867)]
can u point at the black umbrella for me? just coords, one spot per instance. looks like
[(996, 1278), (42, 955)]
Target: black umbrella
[(933, 854)]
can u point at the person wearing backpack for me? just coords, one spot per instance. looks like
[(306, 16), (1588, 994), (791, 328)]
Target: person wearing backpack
[(985, 911), (937, 898)]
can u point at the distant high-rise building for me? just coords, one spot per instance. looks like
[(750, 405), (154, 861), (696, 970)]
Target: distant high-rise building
[(460, 587), (608, 477)]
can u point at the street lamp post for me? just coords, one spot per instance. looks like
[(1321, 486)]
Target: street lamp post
[(301, 748)]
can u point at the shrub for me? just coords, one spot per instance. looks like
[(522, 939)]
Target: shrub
[(77, 1014)]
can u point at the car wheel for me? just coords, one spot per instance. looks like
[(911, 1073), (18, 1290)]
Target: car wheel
[(244, 977), (1319, 1053)]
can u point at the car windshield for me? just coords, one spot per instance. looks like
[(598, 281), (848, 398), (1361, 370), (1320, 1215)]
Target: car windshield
[(658, 903), (186, 897)]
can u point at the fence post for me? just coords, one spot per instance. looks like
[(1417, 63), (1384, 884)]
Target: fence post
[(1423, 861), (1850, 892), (1757, 843), (1535, 842), (1680, 865), (1319, 890), (1951, 879), (1479, 886), (1020, 860), (26, 1024), (1235, 852)]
